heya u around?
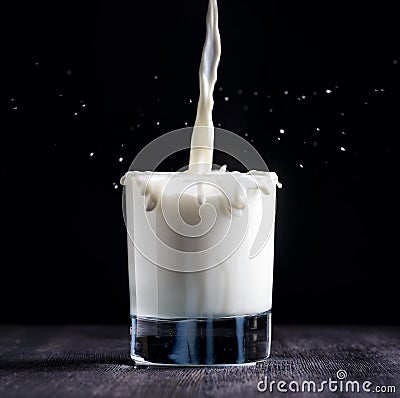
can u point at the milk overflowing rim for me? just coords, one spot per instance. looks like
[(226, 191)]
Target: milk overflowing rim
[(214, 174)]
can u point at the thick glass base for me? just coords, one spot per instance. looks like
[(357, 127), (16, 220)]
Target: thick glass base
[(237, 340)]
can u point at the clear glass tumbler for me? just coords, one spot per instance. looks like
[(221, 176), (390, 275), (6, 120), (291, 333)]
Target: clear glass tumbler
[(200, 254)]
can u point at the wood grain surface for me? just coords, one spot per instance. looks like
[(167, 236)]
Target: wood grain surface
[(83, 361)]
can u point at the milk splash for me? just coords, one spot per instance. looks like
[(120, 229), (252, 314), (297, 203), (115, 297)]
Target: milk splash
[(202, 144)]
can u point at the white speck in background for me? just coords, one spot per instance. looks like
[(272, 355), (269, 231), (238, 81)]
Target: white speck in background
[(226, 98)]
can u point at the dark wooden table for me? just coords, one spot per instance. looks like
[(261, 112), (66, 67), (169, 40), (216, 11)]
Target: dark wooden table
[(82, 361)]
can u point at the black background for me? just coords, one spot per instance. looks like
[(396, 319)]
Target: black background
[(63, 247)]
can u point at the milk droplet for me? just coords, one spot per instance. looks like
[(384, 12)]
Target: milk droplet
[(286, 92), (303, 97), (186, 123), (91, 154), (301, 166), (155, 77), (37, 63), (226, 98), (255, 93), (395, 61), (279, 138), (115, 186), (270, 110), (120, 160), (314, 93), (220, 88), (158, 123), (15, 107), (282, 131), (342, 149), (317, 129), (76, 114), (223, 168), (240, 91), (83, 105), (328, 91), (190, 100), (246, 134)]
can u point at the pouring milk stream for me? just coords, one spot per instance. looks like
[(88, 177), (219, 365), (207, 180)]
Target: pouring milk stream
[(202, 144)]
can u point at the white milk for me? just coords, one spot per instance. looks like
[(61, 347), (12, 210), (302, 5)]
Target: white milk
[(202, 144), (190, 244), (175, 275)]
